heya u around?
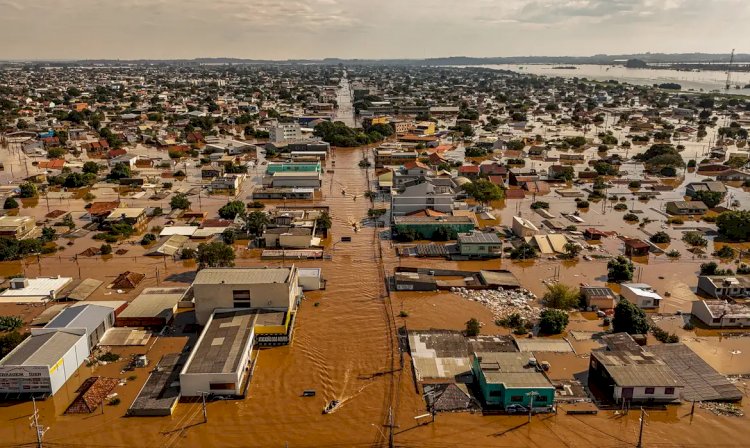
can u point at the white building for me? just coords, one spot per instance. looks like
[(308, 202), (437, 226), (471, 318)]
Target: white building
[(721, 286), (285, 131), (640, 294), (274, 289), (219, 362), (719, 313), (38, 289), (42, 363), (523, 227), (422, 196)]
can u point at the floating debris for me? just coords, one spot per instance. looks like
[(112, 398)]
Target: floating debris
[(502, 302), (728, 409)]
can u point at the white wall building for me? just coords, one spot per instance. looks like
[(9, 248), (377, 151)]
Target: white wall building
[(274, 289), (219, 362), (285, 131), (640, 294), (720, 314)]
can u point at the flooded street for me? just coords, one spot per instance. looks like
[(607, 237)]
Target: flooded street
[(345, 348)]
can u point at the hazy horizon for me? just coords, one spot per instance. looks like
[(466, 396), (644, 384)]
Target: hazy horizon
[(350, 29)]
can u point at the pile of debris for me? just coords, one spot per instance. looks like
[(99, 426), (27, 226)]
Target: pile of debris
[(729, 409), (502, 302)]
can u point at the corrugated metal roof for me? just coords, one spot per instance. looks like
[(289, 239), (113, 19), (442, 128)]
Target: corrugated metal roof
[(86, 316), (631, 368), (154, 302), (42, 350), (240, 276)]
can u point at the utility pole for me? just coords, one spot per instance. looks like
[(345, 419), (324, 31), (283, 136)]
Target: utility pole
[(532, 394), (205, 414), (640, 433), (390, 426), (40, 430)]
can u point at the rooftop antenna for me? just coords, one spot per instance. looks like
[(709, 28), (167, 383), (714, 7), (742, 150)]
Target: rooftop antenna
[(729, 70)]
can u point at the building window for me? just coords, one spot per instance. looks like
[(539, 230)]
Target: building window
[(241, 299), (496, 393), (716, 320), (516, 398), (222, 386), (540, 398), (669, 390), (649, 391)]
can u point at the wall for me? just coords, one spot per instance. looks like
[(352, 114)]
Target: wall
[(210, 297), (639, 394)]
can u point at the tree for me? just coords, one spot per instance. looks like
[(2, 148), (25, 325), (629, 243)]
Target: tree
[(105, 249), (572, 250), (524, 251), (27, 190), (712, 268), (215, 255), (56, 153), (472, 327), (734, 225), (91, 167), (148, 239), (484, 191), (552, 321), (629, 319), (9, 341), (231, 209), (725, 252), (228, 236), (10, 204), (710, 198), (620, 269), (560, 296), (48, 235), (323, 221), (120, 171), (255, 222), (660, 238), (180, 201)]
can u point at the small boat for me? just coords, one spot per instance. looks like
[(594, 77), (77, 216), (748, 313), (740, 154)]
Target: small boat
[(330, 407)]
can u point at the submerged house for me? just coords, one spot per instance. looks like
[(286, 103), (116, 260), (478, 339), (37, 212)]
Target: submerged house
[(507, 378)]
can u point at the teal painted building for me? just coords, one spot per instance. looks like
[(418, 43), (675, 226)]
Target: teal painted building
[(507, 378), (425, 226), (283, 167)]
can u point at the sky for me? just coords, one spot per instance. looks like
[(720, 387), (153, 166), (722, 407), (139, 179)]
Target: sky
[(377, 29)]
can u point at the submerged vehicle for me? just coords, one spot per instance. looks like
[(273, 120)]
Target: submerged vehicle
[(331, 406)]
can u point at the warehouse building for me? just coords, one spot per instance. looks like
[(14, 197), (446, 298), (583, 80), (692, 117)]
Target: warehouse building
[(219, 362), (42, 363)]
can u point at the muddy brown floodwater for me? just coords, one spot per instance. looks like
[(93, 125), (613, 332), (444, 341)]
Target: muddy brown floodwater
[(345, 348)]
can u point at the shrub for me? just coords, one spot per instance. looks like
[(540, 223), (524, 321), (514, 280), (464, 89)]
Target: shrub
[(560, 296), (660, 237), (148, 239), (725, 252), (187, 253), (620, 207), (634, 184), (582, 204), (109, 357), (403, 313), (676, 221), (553, 321), (630, 217), (10, 203), (539, 205), (105, 249), (694, 239), (674, 253), (472, 327)]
